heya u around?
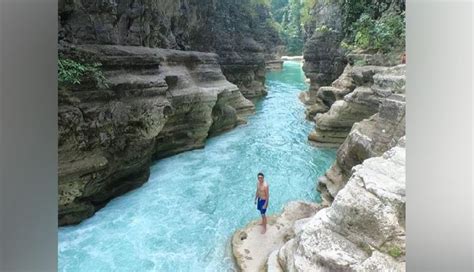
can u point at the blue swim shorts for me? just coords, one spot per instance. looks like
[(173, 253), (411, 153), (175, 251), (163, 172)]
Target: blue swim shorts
[(260, 205)]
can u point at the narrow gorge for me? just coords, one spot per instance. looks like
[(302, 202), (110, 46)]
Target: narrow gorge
[(357, 100), (182, 103)]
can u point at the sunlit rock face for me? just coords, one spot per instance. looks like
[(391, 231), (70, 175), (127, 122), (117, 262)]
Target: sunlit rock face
[(158, 102), (363, 229), (368, 121)]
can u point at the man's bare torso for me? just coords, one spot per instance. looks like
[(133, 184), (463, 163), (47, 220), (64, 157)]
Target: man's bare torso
[(261, 190)]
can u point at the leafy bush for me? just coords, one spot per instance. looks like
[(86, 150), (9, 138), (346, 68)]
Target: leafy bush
[(71, 72), (384, 34)]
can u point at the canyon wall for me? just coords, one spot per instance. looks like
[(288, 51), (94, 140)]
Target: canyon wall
[(157, 102), (362, 230), (331, 43), (366, 122), (362, 227), (240, 32), (160, 95)]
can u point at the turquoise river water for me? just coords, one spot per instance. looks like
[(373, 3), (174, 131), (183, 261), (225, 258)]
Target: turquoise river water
[(183, 218)]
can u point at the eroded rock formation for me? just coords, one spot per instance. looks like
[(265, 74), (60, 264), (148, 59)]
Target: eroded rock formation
[(373, 84), (363, 229), (238, 31), (158, 102), (329, 38)]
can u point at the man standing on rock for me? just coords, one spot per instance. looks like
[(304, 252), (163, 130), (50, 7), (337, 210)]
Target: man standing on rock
[(262, 195)]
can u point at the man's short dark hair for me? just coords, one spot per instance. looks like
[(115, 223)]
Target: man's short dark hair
[(261, 174)]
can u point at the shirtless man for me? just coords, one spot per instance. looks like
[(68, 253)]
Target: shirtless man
[(262, 195)]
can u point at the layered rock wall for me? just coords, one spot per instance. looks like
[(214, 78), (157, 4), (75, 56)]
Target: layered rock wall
[(373, 85), (238, 31), (158, 102), (326, 52)]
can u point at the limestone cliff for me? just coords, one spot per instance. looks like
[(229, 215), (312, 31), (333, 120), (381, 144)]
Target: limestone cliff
[(363, 229), (324, 58), (330, 33), (368, 121), (251, 248), (238, 31), (373, 85), (158, 102)]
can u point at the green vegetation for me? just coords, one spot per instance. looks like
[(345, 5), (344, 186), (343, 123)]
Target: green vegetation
[(377, 26), (383, 35), (71, 72), (291, 15), (395, 252), (369, 25)]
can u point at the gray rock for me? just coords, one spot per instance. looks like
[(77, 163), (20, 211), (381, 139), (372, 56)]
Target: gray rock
[(345, 82), (324, 58), (361, 103), (368, 138), (158, 102), (254, 251), (363, 229), (213, 26), (378, 59)]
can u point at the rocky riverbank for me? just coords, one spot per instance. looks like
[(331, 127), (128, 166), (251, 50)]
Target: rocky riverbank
[(158, 102), (363, 229), (354, 96), (251, 248)]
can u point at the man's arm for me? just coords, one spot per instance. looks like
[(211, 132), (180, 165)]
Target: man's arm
[(256, 195)]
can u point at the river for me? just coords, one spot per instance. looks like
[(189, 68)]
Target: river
[(182, 219)]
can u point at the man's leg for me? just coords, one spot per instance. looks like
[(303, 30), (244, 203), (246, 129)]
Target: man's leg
[(264, 223)]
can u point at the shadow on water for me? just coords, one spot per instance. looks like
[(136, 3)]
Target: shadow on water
[(183, 217)]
